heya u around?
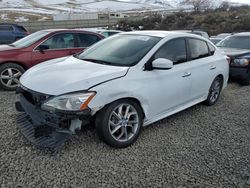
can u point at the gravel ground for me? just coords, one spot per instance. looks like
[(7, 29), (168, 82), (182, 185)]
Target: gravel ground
[(199, 147)]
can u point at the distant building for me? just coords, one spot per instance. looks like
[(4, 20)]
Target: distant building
[(88, 16)]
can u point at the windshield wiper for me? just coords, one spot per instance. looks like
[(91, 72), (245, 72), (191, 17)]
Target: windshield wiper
[(98, 61), (12, 45)]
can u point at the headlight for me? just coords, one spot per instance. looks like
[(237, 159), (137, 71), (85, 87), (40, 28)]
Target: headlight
[(241, 62), (69, 102)]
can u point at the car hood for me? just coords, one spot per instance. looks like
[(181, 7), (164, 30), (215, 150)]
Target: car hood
[(68, 74), (234, 51)]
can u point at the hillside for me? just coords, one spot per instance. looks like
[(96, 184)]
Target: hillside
[(232, 20), (26, 10)]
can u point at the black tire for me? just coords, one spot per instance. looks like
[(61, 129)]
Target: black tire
[(15, 68), (214, 95), (103, 125), (246, 82)]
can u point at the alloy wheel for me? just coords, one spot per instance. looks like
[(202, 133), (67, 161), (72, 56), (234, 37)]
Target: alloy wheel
[(215, 90), (10, 77), (123, 122)]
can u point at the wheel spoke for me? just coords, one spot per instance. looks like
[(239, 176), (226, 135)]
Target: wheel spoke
[(16, 81), (122, 133), (10, 72), (130, 125), (17, 74), (113, 124), (9, 83), (126, 112), (126, 133), (131, 113), (5, 77), (120, 111), (132, 122), (117, 116), (116, 129)]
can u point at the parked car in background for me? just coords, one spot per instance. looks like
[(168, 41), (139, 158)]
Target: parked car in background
[(216, 39), (237, 47), (196, 32), (10, 33), (143, 77), (40, 46), (222, 35)]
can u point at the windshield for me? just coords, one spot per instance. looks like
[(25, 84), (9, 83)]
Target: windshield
[(241, 42), (120, 50), (30, 39)]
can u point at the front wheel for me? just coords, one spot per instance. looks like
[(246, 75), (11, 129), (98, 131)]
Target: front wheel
[(10, 74), (119, 123), (214, 91)]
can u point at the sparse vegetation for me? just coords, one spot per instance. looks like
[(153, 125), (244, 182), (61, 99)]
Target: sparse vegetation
[(223, 19)]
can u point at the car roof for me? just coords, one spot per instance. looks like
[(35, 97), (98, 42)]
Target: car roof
[(70, 30), (100, 30), (110, 31), (163, 34), (55, 30)]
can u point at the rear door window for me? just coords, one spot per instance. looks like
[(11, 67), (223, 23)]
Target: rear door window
[(198, 48), (86, 40)]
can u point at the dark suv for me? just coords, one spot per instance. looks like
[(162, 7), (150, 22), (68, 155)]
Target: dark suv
[(237, 47), (11, 32)]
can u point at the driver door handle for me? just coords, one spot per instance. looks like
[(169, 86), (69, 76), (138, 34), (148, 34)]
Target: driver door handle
[(186, 74)]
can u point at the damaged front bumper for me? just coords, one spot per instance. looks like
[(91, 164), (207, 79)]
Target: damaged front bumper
[(46, 129)]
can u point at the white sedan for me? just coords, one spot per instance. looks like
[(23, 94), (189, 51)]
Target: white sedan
[(121, 84)]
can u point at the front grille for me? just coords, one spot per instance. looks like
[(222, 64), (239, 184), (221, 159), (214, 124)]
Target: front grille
[(33, 97)]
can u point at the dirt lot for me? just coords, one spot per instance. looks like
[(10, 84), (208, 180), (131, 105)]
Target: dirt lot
[(202, 146)]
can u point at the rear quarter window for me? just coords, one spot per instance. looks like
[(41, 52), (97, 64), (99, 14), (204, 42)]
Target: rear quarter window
[(198, 48), (21, 29), (86, 40)]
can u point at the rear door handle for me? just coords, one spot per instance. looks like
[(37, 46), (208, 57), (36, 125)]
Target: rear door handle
[(186, 74), (212, 67)]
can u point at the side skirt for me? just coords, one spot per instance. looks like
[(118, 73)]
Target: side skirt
[(173, 111)]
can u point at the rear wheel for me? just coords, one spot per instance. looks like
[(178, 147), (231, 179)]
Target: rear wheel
[(214, 91), (10, 74), (119, 124)]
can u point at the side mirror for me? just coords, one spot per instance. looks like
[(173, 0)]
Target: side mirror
[(162, 63), (41, 48)]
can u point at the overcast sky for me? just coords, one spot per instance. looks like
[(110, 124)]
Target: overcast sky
[(241, 1)]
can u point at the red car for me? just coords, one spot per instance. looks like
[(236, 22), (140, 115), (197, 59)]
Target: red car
[(40, 46)]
